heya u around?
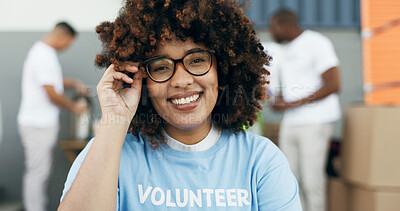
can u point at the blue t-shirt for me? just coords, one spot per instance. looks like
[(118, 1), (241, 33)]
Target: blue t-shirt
[(240, 172)]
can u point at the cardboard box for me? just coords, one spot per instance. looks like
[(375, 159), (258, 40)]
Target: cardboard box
[(371, 146), (337, 195), (346, 197), (380, 67), (364, 199)]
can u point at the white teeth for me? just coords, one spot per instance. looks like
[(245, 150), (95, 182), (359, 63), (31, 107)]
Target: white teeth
[(186, 100)]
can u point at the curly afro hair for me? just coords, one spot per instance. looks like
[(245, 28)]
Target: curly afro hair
[(220, 25)]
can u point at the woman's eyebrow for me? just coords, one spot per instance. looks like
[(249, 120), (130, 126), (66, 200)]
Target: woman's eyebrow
[(193, 50), (186, 53)]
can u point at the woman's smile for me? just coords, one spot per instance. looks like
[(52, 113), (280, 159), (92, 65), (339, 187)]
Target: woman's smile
[(185, 101)]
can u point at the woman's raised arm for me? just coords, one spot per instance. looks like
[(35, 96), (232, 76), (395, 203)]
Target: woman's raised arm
[(95, 185)]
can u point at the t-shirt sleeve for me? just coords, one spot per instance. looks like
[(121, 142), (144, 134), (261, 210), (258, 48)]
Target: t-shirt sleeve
[(325, 56), (74, 171), (278, 189), (75, 168), (47, 70)]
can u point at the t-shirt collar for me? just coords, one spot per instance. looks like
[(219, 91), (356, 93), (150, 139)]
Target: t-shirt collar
[(209, 141)]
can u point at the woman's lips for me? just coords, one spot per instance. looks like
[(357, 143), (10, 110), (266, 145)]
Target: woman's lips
[(186, 102)]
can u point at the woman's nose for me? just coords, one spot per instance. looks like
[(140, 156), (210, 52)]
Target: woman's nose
[(182, 77)]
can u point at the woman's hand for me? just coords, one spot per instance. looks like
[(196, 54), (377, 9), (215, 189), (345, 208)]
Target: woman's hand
[(118, 103)]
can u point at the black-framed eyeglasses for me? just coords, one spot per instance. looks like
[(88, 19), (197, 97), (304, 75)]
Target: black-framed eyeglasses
[(161, 69)]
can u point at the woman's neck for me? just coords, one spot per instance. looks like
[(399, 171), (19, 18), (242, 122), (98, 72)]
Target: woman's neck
[(190, 136)]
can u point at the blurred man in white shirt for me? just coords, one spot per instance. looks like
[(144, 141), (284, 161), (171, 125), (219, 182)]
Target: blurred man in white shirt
[(38, 117), (305, 81)]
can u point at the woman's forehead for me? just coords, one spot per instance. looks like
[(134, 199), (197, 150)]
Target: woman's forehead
[(177, 48)]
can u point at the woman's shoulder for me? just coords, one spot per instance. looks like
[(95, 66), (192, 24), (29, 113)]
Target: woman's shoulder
[(251, 139), (131, 140), (259, 147), (134, 141)]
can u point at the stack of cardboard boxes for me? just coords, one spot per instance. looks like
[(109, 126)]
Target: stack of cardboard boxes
[(371, 144), (370, 161)]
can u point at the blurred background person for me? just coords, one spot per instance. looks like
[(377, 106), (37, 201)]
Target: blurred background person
[(38, 117), (308, 77)]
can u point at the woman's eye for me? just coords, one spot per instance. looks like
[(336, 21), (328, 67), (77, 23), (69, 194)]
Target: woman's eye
[(194, 61), (162, 68)]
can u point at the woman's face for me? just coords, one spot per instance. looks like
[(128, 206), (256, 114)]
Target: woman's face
[(184, 101)]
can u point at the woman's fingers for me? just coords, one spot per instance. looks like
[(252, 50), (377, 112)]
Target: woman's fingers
[(111, 75), (114, 96), (130, 73), (131, 67), (137, 81), (107, 76), (122, 77)]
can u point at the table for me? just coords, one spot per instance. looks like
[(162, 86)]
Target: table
[(72, 148)]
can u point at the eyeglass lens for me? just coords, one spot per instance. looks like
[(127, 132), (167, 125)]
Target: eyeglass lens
[(196, 63)]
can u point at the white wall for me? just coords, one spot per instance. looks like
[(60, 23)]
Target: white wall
[(42, 15)]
